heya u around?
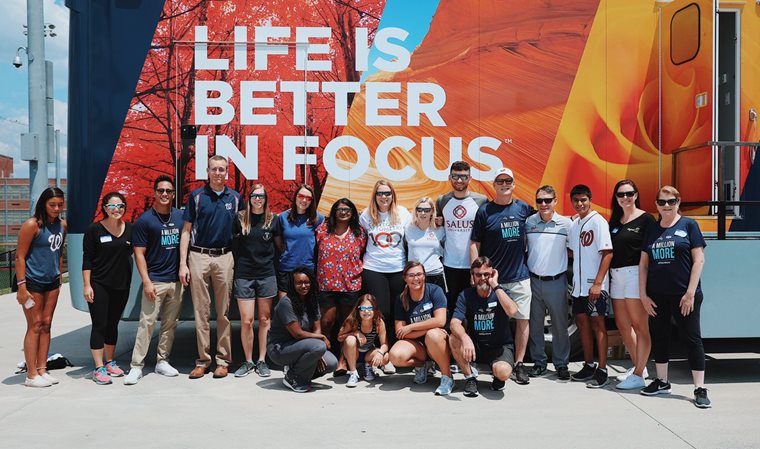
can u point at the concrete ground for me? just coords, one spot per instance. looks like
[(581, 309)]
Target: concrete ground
[(389, 412)]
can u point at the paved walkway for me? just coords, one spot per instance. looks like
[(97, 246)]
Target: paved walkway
[(253, 412)]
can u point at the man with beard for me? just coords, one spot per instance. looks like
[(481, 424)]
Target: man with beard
[(480, 329)]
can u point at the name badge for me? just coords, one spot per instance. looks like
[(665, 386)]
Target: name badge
[(105, 239), (680, 233), (492, 304), (427, 306)]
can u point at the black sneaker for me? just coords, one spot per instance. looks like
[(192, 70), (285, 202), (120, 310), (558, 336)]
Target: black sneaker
[(700, 398), (294, 385), (563, 373), (599, 380), (497, 385), (585, 374), (471, 387), (537, 370), (656, 387), (521, 374)]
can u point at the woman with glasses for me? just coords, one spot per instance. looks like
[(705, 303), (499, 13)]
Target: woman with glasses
[(628, 224), (669, 271), (423, 240), (297, 225), (256, 237), (340, 244), (385, 222), (107, 273), (39, 259), (363, 327), (419, 321), (295, 338)]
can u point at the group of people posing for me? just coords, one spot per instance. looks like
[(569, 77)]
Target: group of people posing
[(448, 277)]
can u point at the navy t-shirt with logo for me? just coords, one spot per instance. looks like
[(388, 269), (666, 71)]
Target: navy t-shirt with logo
[(500, 229), (670, 260), (432, 300), (486, 320), (254, 252), (159, 235)]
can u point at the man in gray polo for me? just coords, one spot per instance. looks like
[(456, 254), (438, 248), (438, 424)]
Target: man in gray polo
[(547, 233)]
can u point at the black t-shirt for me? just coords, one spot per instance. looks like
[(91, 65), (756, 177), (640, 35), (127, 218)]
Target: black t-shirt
[(109, 258), (627, 240), (670, 261), (254, 252), (486, 320)]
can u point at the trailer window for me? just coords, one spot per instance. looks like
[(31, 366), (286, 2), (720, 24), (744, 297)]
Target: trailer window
[(685, 34)]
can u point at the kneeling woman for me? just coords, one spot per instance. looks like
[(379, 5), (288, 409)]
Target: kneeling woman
[(420, 315), (295, 341)]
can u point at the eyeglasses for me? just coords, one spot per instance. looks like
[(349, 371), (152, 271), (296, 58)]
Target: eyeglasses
[(424, 210), (414, 275), (218, 169), (258, 196), (629, 194), (166, 191), (670, 202), (304, 197), (460, 177), (544, 200), (366, 308), (383, 193), (303, 283), (343, 210), (482, 275), (116, 206), (504, 181)]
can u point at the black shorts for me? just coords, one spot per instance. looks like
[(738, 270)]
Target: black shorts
[(38, 287), (600, 307), (488, 355), (329, 300), (282, 280)]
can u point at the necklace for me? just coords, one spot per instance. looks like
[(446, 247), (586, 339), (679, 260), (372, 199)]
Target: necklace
[(168, 217)]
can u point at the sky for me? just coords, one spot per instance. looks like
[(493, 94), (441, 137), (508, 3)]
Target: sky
[(14, 118)]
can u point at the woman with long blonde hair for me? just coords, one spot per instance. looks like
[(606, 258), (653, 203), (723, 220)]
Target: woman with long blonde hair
[(423, 241)]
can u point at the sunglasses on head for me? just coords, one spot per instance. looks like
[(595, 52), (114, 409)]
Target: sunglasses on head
[(629, 194), (366, 308), (670, 202), (167, 191), (116, 206), (544, 200), (383, 193)]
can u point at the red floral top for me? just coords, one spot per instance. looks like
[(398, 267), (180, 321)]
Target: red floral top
[(339, 261)]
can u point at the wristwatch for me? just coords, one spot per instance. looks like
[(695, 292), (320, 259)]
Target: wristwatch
[(498, 287)]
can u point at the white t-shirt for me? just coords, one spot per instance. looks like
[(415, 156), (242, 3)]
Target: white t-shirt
[(458, 217), (385, 242), (588, 238), (425, 247)]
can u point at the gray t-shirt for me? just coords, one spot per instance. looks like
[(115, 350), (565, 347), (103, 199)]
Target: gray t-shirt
[(284, 315)]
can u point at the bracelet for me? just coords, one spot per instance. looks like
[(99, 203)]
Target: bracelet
[(381, 352), (21, 282)]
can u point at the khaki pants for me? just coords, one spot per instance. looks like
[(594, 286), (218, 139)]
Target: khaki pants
[(167, 305), (215, 272)]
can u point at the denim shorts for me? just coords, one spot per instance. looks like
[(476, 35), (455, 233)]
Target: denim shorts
[(255, 288)]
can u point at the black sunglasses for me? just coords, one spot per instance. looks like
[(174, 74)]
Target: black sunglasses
[(343, 210), (544, 200), (629, 194), (670, 202), (162, 191), (424, 210), (504, 181)]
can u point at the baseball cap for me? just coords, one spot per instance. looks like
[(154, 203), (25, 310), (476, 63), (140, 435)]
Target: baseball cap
[(504, 171)]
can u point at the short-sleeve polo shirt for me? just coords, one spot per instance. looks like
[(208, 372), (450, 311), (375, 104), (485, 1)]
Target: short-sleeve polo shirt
[(212, 216)]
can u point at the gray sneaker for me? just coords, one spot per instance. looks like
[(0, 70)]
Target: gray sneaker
[(245, 369), (369, 372), (262, 369), (446, 386), (420, 374), (353, 379)]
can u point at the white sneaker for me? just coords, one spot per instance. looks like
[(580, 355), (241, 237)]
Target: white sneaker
[(353, 379), (388, 368), (446, 386), (37, 382), (633, 382), (628, 373), (163, 368), (50, 378), (134, 376)]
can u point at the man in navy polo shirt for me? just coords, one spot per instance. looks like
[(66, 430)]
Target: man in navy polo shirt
[(155, 239), (499, 234), (207, 234)]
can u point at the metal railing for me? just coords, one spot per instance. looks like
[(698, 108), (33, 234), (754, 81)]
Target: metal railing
[(7, 268)]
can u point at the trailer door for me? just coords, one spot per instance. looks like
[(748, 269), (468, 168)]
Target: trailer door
[(687, 97)]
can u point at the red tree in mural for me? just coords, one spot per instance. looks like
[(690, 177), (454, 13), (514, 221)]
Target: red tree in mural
[(150, 143)]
